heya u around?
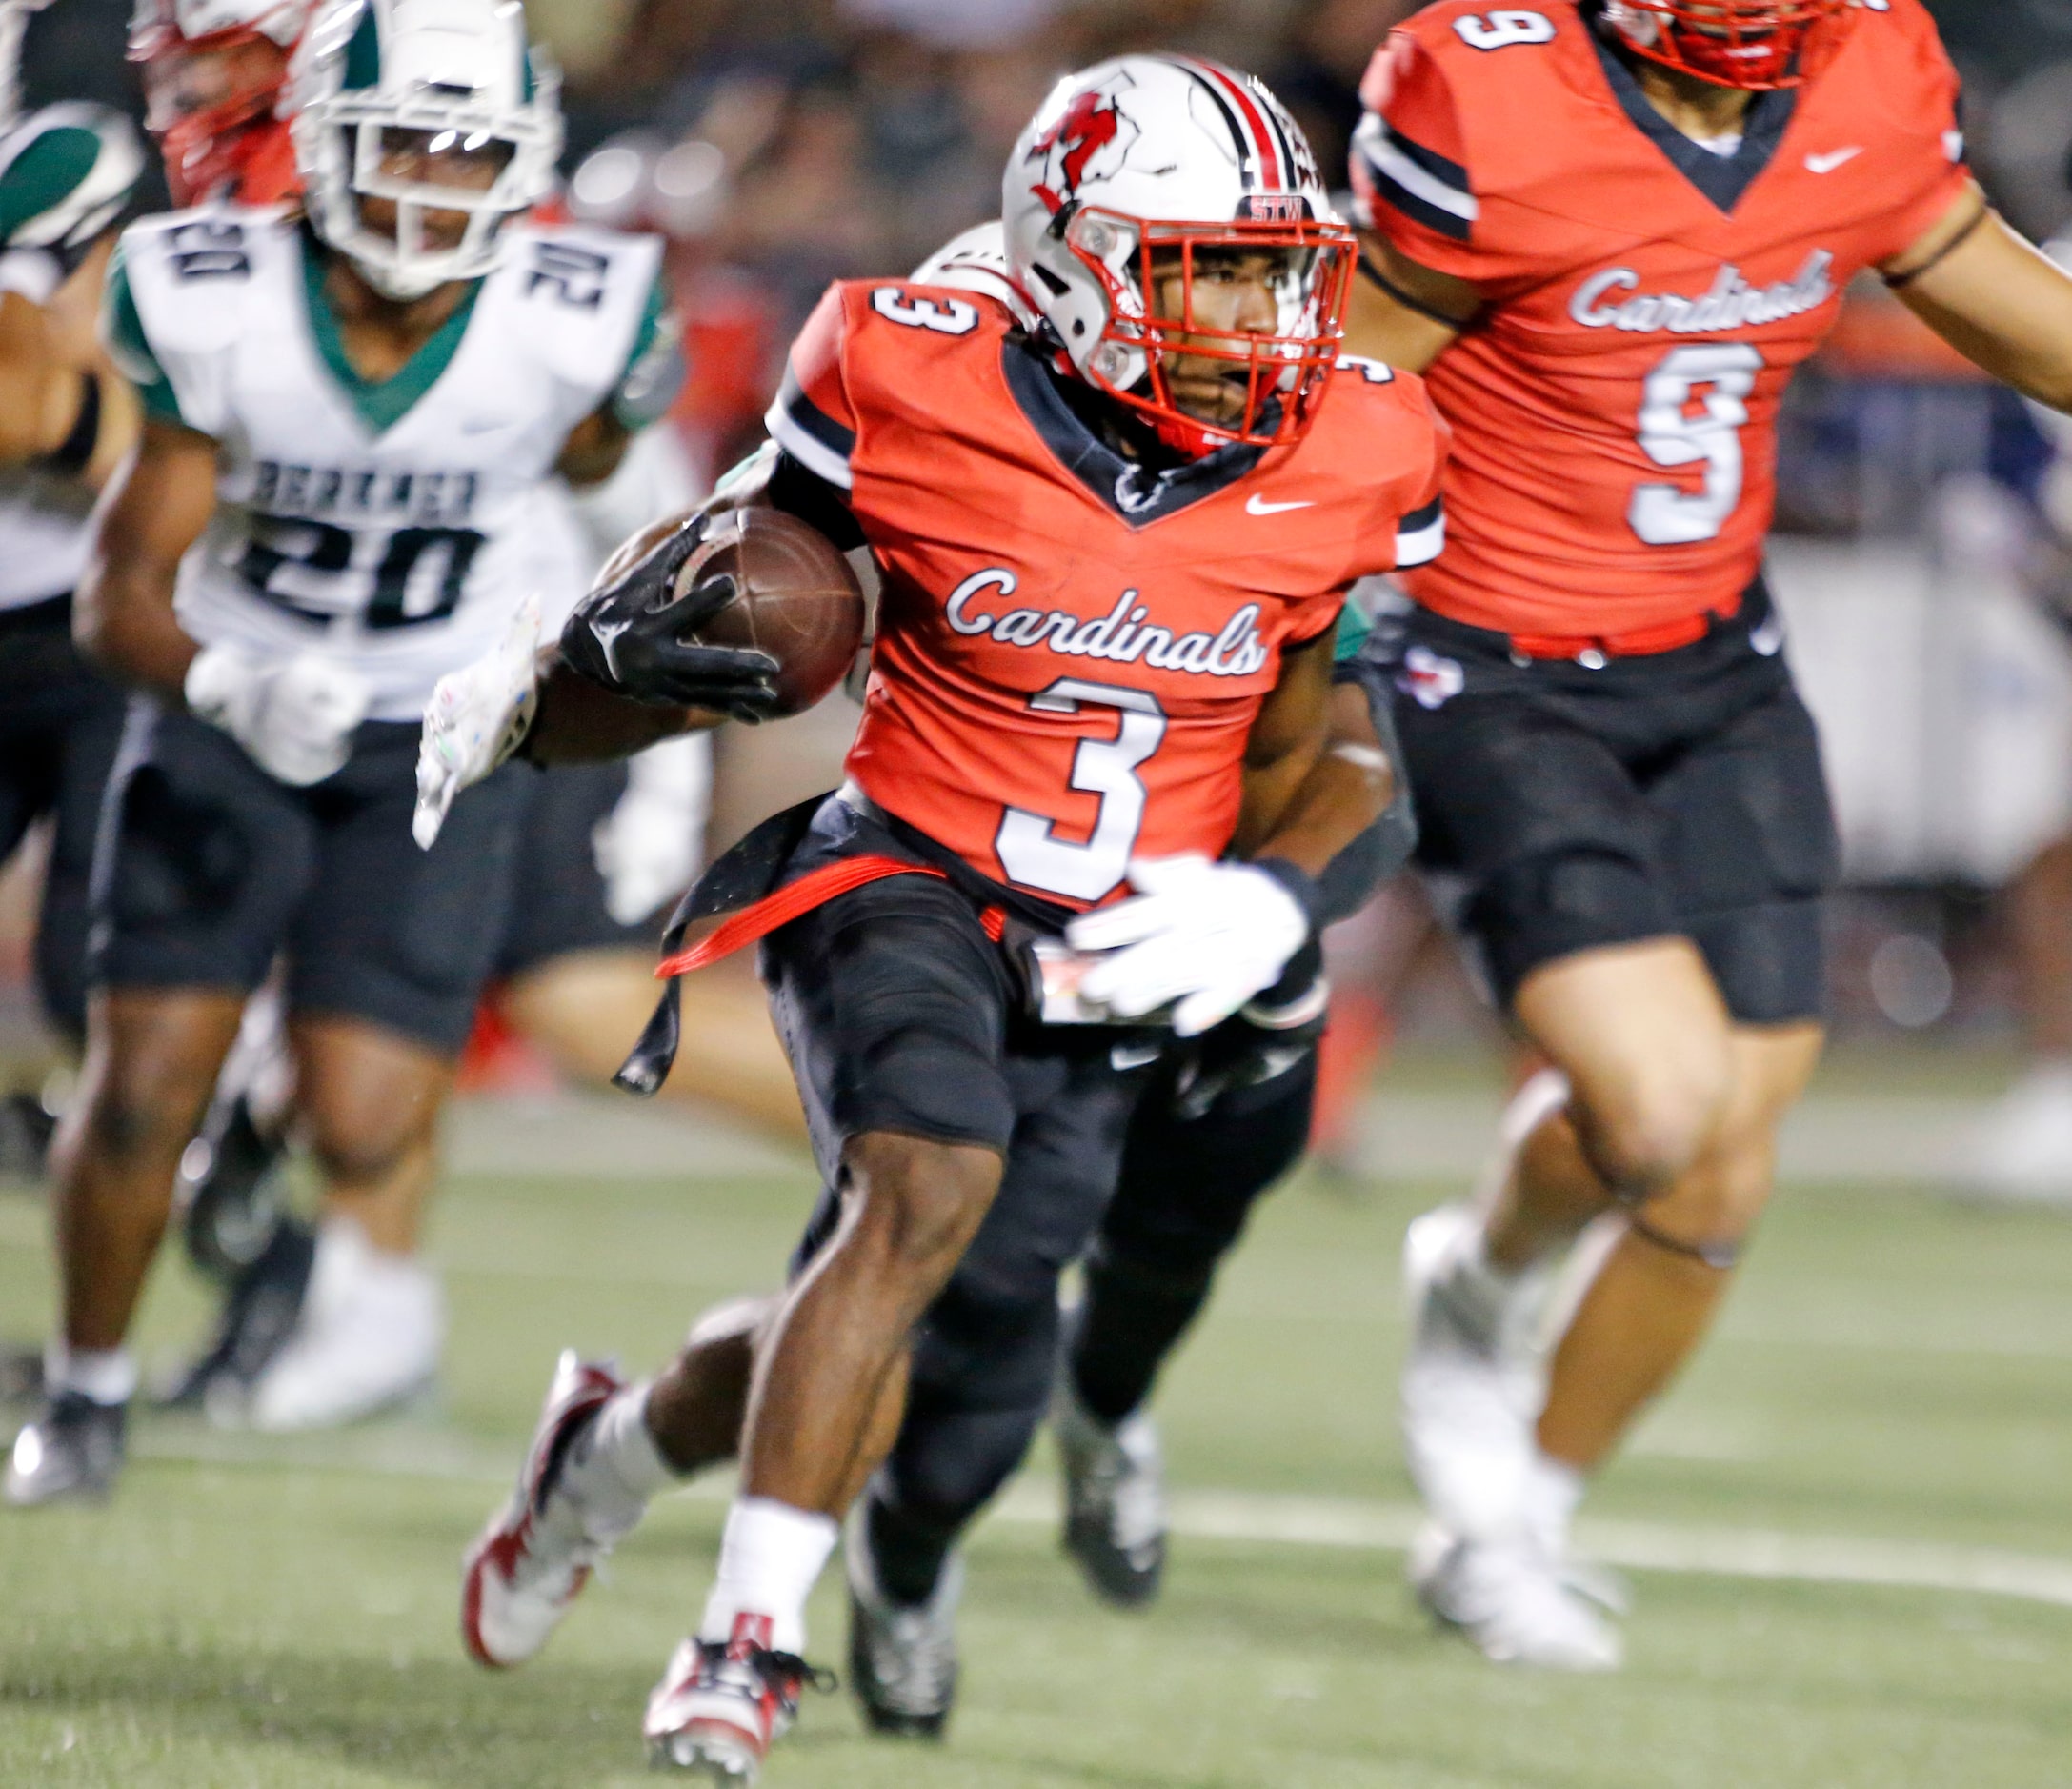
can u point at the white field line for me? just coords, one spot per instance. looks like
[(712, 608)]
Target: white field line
[(1344, 1524)]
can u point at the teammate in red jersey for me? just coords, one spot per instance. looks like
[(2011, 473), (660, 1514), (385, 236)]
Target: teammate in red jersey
[(1603, 737), (1114, 547), (213, 74)]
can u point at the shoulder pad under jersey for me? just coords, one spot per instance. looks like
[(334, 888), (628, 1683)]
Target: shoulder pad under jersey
[(66, 172)]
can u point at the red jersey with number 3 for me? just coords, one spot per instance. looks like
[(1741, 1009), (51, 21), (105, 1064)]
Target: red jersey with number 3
[(1070, 651), (1646, 300)]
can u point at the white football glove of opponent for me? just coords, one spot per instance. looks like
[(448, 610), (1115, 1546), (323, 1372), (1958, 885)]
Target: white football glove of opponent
[(294, 717), (1210, 936), (477, 717)]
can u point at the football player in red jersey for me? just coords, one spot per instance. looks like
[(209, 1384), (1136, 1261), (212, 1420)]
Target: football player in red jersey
[(1113, 548), (1602, 731), (213, 74)]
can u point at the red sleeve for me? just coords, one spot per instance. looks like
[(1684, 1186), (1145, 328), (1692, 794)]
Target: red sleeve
[(1411, 180), (812, 419), (1928, 94)]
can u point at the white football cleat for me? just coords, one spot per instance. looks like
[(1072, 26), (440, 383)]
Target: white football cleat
[(720, 1707), (2021, 1152), (1472, 1381), (368, 1338), (536, 1554), (1515, 1606)]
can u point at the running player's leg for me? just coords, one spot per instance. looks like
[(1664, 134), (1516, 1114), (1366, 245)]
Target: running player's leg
[(1650, 1303), (1190, 1178), (386, 958), (1748, 844), (200, 864)]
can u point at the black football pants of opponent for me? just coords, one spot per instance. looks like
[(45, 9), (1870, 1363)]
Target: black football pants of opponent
[(60, 726)]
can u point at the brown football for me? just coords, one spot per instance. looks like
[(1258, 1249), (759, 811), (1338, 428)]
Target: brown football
[(794, 598)]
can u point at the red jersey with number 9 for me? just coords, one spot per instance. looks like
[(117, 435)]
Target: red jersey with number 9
[(1070, 651), (1646, 299)]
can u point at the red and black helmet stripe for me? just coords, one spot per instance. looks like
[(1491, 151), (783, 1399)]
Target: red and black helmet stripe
[(1266, 157)]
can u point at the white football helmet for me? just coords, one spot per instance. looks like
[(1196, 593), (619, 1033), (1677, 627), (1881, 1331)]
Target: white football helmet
[(1127, 172), (450, 84)]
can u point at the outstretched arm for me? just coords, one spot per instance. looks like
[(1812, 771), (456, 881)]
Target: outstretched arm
[(1995, 297)]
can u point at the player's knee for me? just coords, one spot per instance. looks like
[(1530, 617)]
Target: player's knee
[(917, 1202), (145, 1107), (1715, 1208), (1649, 1131), (361, 1145)]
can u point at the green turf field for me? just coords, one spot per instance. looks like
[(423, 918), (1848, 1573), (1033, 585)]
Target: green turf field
[(1885, 1418)]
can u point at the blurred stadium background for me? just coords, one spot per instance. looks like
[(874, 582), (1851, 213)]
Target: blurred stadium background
[(1850, 1530)]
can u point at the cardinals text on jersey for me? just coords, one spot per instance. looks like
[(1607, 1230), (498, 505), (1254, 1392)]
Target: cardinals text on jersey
[(1646, 300), (1070, 651), (388, 522)]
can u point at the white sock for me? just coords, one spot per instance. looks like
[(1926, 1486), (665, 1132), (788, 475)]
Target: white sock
[(1553, 1490), (105, 1374), (767, 1561), (615, 1468)]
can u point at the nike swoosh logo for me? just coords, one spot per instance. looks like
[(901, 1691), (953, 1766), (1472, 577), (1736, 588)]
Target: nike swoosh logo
[(1259, 505), (1833, 159)]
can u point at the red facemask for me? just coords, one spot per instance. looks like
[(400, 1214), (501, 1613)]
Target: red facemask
[(1755, 45), (1274, 380)]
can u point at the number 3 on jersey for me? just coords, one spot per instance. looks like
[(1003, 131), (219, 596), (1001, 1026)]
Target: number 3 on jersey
[(1668, 516), (1029, 848)]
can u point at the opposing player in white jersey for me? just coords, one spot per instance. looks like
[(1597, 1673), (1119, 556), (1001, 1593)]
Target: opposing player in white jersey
[(348, 415), (66, 173)]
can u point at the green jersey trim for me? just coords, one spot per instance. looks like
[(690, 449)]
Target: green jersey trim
[(655, 370), (1354, 624), (45, 174), (383, 403), (122, 329)]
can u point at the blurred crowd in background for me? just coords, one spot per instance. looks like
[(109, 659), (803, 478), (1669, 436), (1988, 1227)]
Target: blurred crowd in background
[(1925, 561)]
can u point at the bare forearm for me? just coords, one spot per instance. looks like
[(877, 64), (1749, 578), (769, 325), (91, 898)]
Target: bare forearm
[(123, 619), (1998, 300), (581, 723), (1346, 791)]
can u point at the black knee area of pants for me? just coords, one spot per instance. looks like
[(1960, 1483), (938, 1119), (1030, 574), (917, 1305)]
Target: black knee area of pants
[(1187, 1189), (940, 1476), (1770, 960), (1559, 902)]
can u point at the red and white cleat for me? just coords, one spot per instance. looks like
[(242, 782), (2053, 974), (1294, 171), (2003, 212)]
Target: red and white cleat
[(719, 1708), (536, 1554)]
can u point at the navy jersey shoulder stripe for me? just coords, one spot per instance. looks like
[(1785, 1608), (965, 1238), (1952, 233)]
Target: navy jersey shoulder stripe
[(809, 434), (1420, 537), (1419, 182)]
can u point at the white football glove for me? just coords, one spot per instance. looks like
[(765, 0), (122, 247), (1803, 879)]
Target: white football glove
[(477, 717), (648, 847), (1210, 936), (294, 717)]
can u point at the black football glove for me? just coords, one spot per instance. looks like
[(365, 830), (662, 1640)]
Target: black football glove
[(629, 637)]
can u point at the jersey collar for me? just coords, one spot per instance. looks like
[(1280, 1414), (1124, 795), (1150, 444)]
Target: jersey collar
[(1121, 485), (1722, 179), (380, 403)]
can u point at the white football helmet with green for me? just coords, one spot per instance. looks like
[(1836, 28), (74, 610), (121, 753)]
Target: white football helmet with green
[(447, 78)]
